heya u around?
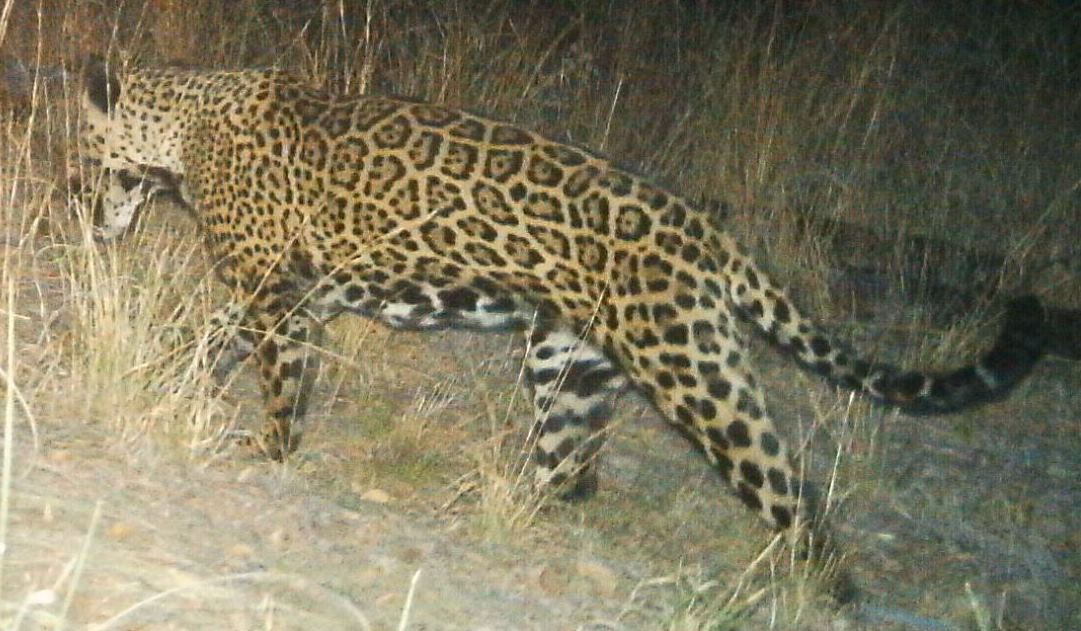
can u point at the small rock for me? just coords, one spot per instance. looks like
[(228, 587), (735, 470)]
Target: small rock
[(379, 496), (120, 531), (242, 550), (41, 597), (279, 538)]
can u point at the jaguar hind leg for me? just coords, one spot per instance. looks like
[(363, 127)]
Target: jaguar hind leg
[(573, 384), (572, 381), (700, 380)]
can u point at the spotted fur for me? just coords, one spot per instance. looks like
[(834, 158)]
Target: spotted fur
[(428, 217)]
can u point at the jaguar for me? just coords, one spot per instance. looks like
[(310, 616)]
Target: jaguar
[(314, 204)]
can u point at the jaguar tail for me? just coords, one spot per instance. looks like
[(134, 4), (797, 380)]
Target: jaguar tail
[(1021, 341)]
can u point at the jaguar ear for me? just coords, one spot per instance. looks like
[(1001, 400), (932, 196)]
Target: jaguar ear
[(100, 84)]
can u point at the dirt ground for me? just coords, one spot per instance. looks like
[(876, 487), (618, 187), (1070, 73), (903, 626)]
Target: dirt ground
[(967, 521)]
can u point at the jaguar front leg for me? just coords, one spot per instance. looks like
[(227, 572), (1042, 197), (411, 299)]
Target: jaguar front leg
[(286, 366)]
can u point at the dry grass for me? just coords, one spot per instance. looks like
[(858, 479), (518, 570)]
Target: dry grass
[(904, 120)]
